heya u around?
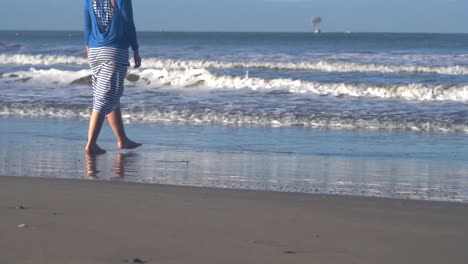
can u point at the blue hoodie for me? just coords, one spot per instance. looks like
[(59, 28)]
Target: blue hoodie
[(121, 32)]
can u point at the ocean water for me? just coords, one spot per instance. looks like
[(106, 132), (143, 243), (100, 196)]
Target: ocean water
[(408, 86), (409, 82)]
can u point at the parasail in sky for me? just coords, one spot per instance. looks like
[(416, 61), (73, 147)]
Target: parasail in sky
[(316, 21)]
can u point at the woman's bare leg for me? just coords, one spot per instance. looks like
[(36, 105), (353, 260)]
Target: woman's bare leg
[(95, 125), (116, 123)]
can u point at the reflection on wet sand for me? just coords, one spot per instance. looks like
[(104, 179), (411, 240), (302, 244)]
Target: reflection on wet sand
[(347, 163), (270, 172), (121, 163), (91, 164)]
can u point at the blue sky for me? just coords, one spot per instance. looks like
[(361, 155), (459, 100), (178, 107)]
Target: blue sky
[(252, 15)]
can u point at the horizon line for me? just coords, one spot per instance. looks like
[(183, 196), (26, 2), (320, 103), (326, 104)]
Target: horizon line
[(218, 31)]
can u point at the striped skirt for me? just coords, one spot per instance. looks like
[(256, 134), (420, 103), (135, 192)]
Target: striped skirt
[(109, 67)]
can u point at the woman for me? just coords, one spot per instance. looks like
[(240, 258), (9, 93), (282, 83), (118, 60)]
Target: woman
[(109, 32)]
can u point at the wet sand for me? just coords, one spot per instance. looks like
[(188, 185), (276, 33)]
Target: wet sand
[(74, 221), (375, 164)]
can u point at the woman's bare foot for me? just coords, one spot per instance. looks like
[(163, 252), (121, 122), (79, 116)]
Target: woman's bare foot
[(94, 150), (128, 144)]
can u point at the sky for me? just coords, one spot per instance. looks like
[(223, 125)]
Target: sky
[(444, 16)]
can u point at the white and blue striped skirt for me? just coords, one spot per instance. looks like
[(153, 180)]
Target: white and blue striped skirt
[(109, 67)]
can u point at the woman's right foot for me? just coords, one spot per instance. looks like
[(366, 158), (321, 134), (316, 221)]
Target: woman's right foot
[(94, 150), (128, 144)]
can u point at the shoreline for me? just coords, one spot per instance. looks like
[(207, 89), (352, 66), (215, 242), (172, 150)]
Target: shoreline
[(102, 222), (194, 188), (324, 196), (373, 164)]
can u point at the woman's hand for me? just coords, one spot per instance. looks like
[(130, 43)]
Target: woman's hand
[(137, 59), (87, 52)]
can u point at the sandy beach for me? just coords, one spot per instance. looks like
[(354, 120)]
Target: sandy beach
[(75, 221)]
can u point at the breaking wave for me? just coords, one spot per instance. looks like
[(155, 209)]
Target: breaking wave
[(324, 66), (225, 117), (203, 79), (10, 46), (26, 59)]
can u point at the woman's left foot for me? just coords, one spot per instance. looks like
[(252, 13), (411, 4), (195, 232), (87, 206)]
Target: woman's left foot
[(128, 144)]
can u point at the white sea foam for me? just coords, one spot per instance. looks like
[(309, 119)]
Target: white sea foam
[(48, 77), (203, 79), (26, 59), (325, 66)]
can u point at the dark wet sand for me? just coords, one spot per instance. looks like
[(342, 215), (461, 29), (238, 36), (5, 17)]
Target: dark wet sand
[(71, 221)]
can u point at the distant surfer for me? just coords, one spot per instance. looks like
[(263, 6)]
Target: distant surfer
[(109, 32)]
